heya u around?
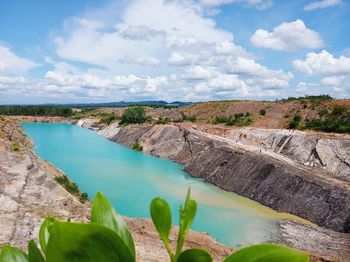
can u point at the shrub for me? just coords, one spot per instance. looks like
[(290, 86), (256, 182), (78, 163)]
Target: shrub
[(294, 123), (263, 112), (336, 120), (189, 118), (108, 119), (315, 100), (221, 120), (84, 197), (134, 115), (136, 146), (15, 147), (239, 119), (163, 121), (186, 118), (67, 184), (107, 238)]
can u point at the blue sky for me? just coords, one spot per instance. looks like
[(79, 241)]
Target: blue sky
[(190, 50)]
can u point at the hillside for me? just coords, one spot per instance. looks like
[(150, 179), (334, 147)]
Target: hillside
[(316, 113)]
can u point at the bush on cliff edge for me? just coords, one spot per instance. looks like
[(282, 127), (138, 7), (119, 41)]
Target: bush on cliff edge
[(134, 115)]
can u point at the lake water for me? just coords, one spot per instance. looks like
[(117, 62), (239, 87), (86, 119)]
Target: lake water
[(132, 179)]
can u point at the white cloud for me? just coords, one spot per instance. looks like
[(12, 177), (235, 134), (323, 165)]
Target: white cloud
[(11, 63), (144, 61), (321, 4), (333, 80), (149, 28), (259, 4), (306, 88), (140, 32), (198, 73), (323, 63), (334, 72), (155, 49), (181, 58), (339, 84), (6, 81), (287, 37), (256, 74), (227, 82)]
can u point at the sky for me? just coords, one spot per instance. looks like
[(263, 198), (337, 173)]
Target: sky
[(189, 50)]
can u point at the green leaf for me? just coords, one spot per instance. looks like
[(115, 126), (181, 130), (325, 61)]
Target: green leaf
[(187, 215), (103, 213), (34, 252), (195, 255), (161, 217), (12, 254), (268, 253), (44, 233), (85, 242)]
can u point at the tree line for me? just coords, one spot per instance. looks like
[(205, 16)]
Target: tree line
[(16, 110)]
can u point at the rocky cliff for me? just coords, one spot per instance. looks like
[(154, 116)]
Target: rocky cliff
[(264, 174), (328, 152)]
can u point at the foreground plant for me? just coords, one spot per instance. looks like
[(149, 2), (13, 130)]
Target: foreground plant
[(107, 238)]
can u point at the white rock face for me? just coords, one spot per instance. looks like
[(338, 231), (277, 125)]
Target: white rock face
[(321, 151), (109, 131), (89, 123), (28, 194)]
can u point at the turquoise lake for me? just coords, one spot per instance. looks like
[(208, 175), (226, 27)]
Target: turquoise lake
[(132, 179)]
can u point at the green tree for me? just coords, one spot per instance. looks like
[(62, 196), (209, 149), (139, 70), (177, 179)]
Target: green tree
[(134, 115)]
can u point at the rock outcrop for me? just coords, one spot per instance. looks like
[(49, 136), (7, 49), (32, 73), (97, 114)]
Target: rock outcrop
[(330, 245), (328, 152)]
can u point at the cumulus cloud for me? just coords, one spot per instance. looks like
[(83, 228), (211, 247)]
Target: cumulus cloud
[(287, 37), (149, 28), (144, 61), (140, 32), (11, 63), (307, 88), (259, 4), (181, 58), (334, 72), (321, 4), (257, 74), (198, 73), (323, 63), (156, 49)]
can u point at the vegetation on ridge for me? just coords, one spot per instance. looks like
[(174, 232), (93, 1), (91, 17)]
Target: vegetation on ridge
[(239, 119), (134, 115), (71, 187), (316, 100), (136, 146), (109, 118), (107, 238), (36, 110), (337, 119)]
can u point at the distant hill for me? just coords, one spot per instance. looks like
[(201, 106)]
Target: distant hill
[(128, 103)]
